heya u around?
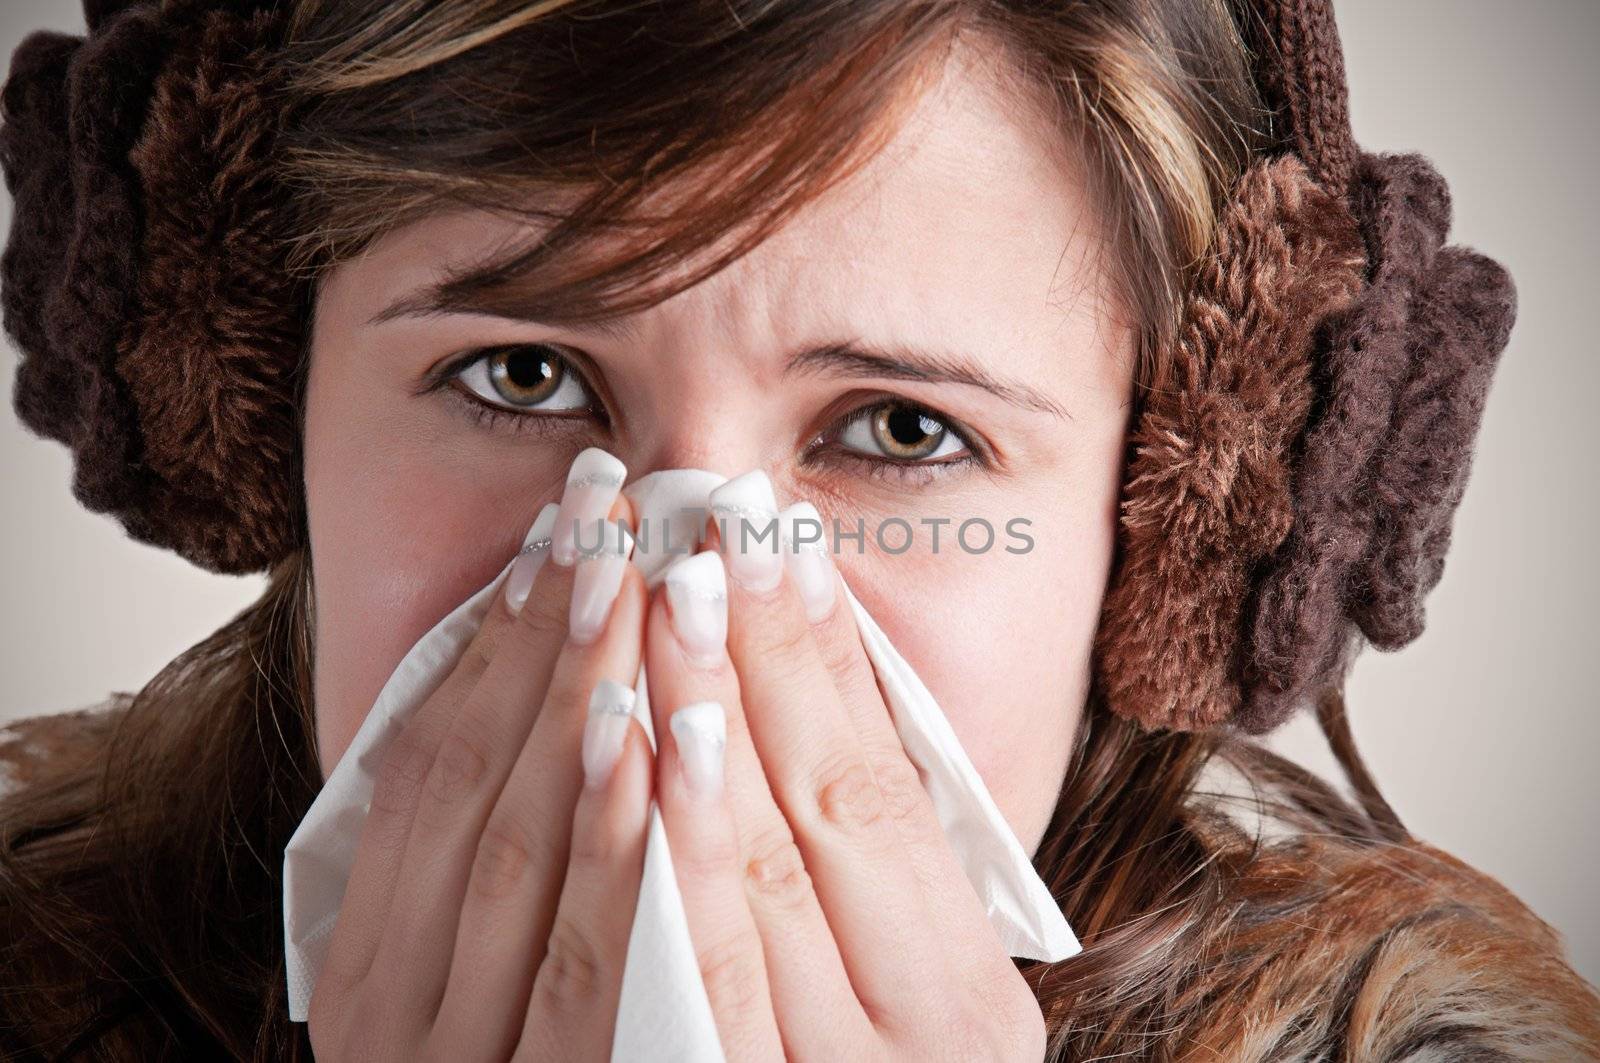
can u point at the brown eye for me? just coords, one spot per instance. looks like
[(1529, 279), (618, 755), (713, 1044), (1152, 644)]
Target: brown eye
[(525, 376), (901, 432)]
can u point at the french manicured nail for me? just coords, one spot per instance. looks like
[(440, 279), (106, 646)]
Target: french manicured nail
[(701, 731), (697, 598), (535, 548), (592, 485), (605, 729), (596, 580), (805, 551), (747, 519)]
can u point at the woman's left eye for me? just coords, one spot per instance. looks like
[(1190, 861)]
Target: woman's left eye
[(529, 377), (900, 432)]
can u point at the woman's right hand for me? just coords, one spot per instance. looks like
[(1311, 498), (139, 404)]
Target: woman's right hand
[(489, 906)]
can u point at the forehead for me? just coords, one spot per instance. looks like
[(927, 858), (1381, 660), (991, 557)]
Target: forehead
[(973, 201), (972, 221)]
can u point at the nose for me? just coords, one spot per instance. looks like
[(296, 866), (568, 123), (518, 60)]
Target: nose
[(720, 439)]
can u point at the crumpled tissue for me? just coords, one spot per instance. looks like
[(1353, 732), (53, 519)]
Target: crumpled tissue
[(663, 1012)]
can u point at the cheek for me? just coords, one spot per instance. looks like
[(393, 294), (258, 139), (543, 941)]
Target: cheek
[(1003, 640), (403, 528)]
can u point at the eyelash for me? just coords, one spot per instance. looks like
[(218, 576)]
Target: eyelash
[(502, 418), (883, 468)]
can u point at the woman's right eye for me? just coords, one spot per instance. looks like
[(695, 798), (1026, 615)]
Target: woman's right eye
[(525, 377)]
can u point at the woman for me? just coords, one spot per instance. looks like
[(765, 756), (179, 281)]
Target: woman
[(342, 291)]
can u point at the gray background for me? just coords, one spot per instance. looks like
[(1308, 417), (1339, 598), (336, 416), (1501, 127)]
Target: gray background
[(1483, 733)]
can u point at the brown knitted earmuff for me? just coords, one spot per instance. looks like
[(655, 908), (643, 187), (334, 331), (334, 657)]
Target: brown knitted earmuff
[(1294, 493), (142, 280), (1289, 494)]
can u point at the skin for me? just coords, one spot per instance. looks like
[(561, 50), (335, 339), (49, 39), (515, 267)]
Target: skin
[(969, 236)]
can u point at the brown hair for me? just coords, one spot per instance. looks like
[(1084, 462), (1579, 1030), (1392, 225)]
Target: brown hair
[(140, 865), (139, 885), (1154, 100)]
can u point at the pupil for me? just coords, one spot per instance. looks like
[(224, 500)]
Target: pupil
[(527, 369), (907, 427)]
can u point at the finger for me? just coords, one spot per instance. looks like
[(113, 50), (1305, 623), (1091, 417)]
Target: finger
[(404, 766), (956, 907), (575, 993), (700, 827), (572, 1013), (463, 783), (522, 853), (758, 880), (818, 769)]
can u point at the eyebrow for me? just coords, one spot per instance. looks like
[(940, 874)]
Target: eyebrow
[(838, 358), (903, 363)]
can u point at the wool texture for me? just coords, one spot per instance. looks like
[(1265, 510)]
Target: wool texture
[(143, 278), (1207, 497), (1301, 77), (1384, 465)]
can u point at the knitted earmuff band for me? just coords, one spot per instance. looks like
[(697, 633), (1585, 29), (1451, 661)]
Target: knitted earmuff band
[(1291, 497)]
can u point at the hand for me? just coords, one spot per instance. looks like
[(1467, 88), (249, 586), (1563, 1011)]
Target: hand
[(489, 905), (830, 916)]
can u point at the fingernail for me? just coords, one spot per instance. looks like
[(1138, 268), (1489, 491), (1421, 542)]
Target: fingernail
[(605, 729), (805, 551), (535, 548), (596, 580), (592, 486), (697, 599), (747, 519), (701, 731)]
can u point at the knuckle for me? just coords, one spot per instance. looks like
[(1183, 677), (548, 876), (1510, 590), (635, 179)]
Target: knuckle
[(787, 643), (569, 979), (601, 847), (402, 774), (843, 658), (475, 659), (708, 858), (504, 857), (543, 617), (900, 787), (848, 796), (777, 875), (461, 764), (731, 971)]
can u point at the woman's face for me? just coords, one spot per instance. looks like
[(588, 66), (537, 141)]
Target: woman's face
[(959, 268)]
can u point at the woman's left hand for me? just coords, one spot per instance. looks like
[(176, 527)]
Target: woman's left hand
[(830, 916)]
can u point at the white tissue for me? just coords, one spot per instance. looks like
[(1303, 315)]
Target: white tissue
[(663, 1013)]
